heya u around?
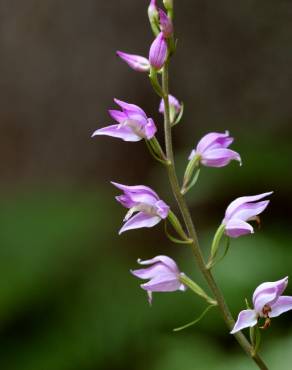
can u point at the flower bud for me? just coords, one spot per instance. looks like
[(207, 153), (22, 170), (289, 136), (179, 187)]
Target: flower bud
[(168, 4), (152, 10), (153, 16), (136, 62), (166, 25), (158, 52)]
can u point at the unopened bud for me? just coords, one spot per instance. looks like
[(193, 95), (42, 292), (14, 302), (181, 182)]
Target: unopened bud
[(136, 62), (168, 4), (166, 25), (158, 52), (153, 16)]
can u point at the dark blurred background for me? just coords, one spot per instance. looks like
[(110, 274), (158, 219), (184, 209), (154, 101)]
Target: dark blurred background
[(67, 299)]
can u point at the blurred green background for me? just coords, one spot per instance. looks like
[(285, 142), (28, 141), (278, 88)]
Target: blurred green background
[(67, 299)]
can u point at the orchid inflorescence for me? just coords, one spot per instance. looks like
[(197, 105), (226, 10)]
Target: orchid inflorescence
[(146, 209)]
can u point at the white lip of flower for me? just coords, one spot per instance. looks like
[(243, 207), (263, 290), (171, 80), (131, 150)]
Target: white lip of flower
[(146, 208), (135, 127)]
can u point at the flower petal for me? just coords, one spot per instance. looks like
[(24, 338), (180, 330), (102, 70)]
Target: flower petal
[(150, 129), (172, 102), (246, 318), (130, 108), (138, 189), (126, 201), (214, 140), (249, 210), (140, 220), (219, 157), (163, 283), (158, 52), (162, 209), (268, 293), (152, 271), (169, 262), (136, 62), (117, 115), (235, 228), (283, 304), (233, 206), (121, 132)]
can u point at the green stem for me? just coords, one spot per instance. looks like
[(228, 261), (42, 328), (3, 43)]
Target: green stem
[(192, 231)]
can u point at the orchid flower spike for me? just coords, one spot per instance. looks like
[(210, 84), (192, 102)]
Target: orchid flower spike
[(133, 124), (240, 211), (268, 302), (136, 62), (174, 105), (163, 274), (212, 150), (151, 209), (166, 25), (158, 52)]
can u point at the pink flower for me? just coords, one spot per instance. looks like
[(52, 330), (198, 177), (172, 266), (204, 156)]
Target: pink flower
[(143, 201), (212, 150), (133, 124), (240, 211), (268, 302), (163, 274), (136, 62)]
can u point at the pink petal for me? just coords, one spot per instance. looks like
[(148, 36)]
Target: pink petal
[(140, 220), (219, 157), (150, 129), (152, 271), (246, 318), (117, 115), (249, 210), (235, 228), (242, 200), (268, 293), (214, 140), (158, 52), (121, 132), (162, 209), (283, 304), (172, 102), (130, 108), (136, 62), (135, 189), (169, 262), (163, 283)]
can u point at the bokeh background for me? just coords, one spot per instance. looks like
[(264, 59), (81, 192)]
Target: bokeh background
[(67, 299)]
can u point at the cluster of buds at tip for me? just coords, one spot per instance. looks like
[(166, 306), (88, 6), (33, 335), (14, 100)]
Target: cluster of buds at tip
[(268, 302), (146, 209), (163, 273), (133, 124)]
